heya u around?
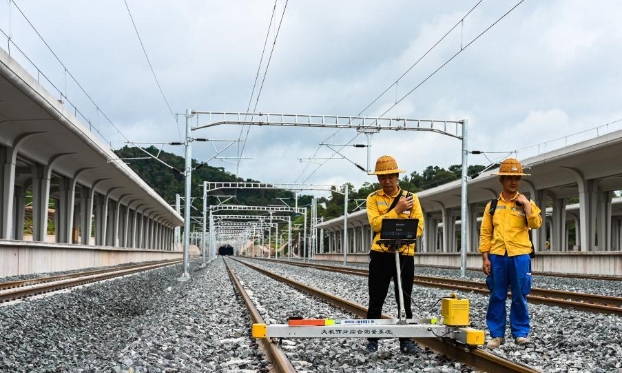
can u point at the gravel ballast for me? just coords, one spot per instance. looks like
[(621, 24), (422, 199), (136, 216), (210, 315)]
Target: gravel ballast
[(151, 322), (148, 322)]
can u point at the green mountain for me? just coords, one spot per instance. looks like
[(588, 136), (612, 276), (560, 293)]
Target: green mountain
[(165, 176)]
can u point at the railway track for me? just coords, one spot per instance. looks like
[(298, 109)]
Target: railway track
[(476, 358), (581, 301), (13, 290)]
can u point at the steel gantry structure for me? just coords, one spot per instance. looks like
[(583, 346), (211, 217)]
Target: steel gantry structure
[(270, 209), (251, 222), (211, 186), (241, 232), (363, 124)]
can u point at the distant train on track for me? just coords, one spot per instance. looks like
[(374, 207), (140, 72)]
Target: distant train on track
[(225, 250)]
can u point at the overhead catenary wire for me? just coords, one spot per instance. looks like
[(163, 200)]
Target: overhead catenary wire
[(142, 45), (250, 99), (451, 58), (461, 21), (462, 48), (263, 80), (318, 167), (315, 155), (263, 51)]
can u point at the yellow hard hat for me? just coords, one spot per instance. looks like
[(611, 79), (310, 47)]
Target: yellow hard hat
[(386, 165), (511, 167)]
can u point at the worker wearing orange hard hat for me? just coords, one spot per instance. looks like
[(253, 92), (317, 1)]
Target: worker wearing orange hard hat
[(394, 203), (506, 247)]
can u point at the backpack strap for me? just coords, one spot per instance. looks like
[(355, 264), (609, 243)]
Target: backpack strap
[(493, 206), (395, 200)]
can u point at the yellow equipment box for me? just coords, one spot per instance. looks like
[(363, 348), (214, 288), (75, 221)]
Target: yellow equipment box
[(472, 337), (455, 311)]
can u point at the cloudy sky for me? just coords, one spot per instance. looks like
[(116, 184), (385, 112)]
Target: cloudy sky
[(546, 74)]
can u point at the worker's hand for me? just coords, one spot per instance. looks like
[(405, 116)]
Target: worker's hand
[(486, 266), (404, 204), (522, 199), (524, 202)]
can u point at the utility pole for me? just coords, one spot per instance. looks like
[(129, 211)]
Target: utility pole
[(464, 231), (345, 224), (185, 276)]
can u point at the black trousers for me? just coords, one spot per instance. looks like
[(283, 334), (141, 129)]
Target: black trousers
[(381, 270)]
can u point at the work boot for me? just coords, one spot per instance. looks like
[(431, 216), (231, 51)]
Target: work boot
[(522, 341), (372, 346), (495, 342), (408, 347)]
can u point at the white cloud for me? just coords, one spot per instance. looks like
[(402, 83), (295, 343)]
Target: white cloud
[(545, 71)]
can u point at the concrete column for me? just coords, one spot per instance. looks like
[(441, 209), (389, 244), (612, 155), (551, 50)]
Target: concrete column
[(40, 201), (588, 202), (7, 190), (616, 234), (538, 236), (134, 228), (439, 239), (558, 241), (144, 229), (428, 231), (153, 234), (473, 226), (100, 204), (107, 219), (8, 161), (577, 230), (56, 218), (152, 227), (450, 231), (86, 212), (139, 229), (603, 220), (160, 240), (64, 210), (114, 223), (19, 204), (123, 225), (446, 222), (77, 218)]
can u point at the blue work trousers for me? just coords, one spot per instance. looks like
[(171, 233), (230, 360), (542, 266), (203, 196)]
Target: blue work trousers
[(513, 273)]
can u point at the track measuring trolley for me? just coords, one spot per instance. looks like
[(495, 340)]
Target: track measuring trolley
[(452, 323)]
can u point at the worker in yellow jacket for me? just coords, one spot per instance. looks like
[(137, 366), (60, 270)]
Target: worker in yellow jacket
[(394, 203), (506, 246)]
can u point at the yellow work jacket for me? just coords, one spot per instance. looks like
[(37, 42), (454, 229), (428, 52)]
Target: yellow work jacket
[(511, 229), (378, 204)]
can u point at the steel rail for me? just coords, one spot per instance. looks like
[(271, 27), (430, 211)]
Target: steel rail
[(39, 280), (581, 301), (476, 358), (45, 285), (539, 273), (280, 361)]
